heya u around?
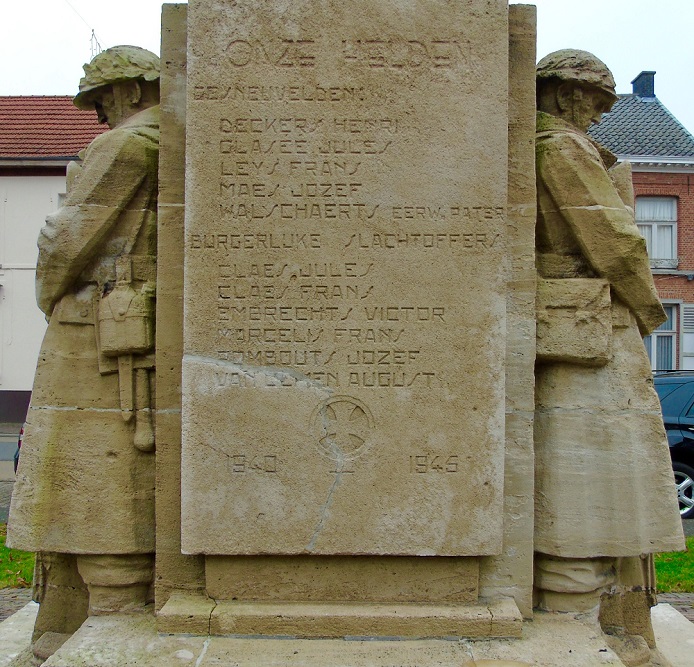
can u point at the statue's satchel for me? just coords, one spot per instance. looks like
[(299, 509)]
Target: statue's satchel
[(574, 321), (126, 322)]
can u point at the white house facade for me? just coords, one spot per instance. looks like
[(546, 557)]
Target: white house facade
[(38, 137)]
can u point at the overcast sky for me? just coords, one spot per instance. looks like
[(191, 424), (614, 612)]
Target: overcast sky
[(43, 43)]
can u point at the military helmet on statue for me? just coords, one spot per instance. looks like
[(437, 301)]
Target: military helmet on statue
[(119, 63), (576, 65)]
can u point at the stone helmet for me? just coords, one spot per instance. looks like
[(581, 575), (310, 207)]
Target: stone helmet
[(576, 65), (119, 63)]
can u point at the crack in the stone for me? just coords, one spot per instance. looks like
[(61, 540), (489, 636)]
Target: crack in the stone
[(207, 641), (340, 459), (209, 618), (324, 512), (249, 370), (491, 619)]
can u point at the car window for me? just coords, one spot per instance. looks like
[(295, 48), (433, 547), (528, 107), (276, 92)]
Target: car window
[(665, 389), (674, 402)]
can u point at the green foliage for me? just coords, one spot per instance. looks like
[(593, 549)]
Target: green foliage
[(675, 571), (16, 567)]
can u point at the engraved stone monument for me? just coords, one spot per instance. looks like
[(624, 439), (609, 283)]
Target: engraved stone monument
[(337, 301), (358, 318)]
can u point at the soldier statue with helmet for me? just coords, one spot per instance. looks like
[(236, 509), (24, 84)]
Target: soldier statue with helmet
[(84, 495), (604, 496)]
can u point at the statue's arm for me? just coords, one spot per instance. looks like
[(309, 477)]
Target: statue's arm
[(604, 227), (113, 170)]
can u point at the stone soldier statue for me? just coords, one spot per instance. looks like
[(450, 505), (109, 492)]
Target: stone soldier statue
[(84, 496), (604, 485)]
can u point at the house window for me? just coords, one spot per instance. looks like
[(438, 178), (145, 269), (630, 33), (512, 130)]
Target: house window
[(660, 345), (656, 218)]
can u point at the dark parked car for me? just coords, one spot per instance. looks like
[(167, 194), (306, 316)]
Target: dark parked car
[(676, 392)]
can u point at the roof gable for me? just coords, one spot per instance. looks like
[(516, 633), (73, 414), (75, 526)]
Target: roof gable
[(44, 127), (642, 126)]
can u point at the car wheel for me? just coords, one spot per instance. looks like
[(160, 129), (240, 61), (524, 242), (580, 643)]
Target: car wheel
[(684, 480)]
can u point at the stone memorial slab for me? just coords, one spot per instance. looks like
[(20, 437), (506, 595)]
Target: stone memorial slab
[(345, 267)]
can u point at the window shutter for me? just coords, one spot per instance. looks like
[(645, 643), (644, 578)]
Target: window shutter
[(688, 317)]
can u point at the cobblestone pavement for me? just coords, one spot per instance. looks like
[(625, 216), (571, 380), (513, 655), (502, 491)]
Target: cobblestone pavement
[(12, 600), (5, 493)]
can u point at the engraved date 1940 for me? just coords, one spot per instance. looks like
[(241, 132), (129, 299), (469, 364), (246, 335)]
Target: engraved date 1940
[(429, 463), (241, 463)]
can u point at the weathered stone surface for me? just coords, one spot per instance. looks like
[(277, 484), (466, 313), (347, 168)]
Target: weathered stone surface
[(186, 614), (674, 635), (316, 579), (84, 496), (510, 573), (344, 619), (48, 644), (551, 640), (126, 639), (15, 635), (201, 615), (338, 303), (596, 299), (631, 649), (574, 321), (304, 578), (174, 571)]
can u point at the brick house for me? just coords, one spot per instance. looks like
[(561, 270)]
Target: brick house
[(640, 129), (38, 137)]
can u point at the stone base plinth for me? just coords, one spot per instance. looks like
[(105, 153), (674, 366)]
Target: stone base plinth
[(548, 641), (196, 614)]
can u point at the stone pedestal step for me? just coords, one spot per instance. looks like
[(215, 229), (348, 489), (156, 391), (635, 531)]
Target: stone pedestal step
[(199, 615)]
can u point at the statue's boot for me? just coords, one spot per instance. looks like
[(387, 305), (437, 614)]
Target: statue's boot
[(117, 582), (63, 602), (572, 584)]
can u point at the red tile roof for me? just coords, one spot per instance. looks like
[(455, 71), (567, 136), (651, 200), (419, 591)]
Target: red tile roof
[(35, 127)]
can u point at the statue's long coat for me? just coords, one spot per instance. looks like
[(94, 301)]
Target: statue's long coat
[(604, 483), (82, 486)]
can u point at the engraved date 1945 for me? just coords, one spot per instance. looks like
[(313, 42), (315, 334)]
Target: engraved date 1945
[(429, 463)]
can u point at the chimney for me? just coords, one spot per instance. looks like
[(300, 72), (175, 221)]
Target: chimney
[(643, 85)]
